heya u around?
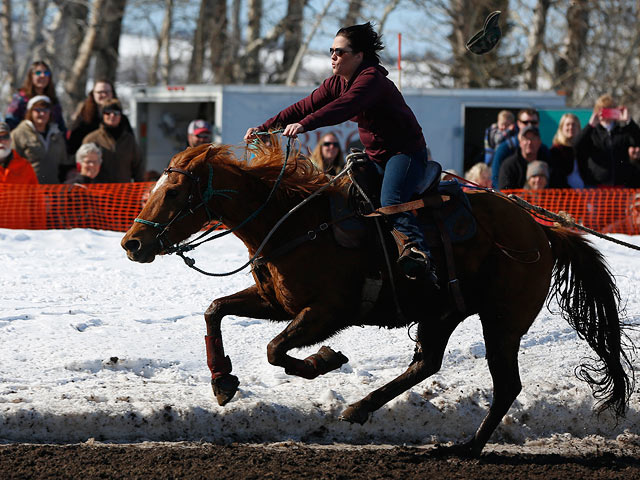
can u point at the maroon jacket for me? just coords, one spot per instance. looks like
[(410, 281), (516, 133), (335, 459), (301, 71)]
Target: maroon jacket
[(386, 124)]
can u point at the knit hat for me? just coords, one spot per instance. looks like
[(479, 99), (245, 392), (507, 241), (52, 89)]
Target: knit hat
[(4, 127), (196, 127), (537, 167), (36, 99)]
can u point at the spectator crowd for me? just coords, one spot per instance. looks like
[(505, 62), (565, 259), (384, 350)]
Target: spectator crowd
[(603, 154), (99, 145), (37, 147)]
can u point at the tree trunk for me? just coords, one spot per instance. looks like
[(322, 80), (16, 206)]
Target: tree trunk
[(252, 56), (36, 49), (293, 71), (536, 44), (163, 48), (7, 46), (73, 86), (204, 24), (217, 43), (567, 65), (108, 40), (292, 37), (354, 13), (68, 38)]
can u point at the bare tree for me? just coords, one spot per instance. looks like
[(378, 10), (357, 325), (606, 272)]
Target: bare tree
[(204, 23), (74, 86), (164, 40), (293, 71), (292, 37), (106, 48), (388, 9), (222, 70), (354, 13), (8, 46), (252, 66), (464, 69), (567, 64), (535, 44), (36, 9)]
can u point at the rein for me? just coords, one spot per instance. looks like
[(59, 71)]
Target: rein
[(543, 214)]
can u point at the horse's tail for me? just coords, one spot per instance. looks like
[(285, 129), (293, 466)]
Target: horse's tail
[(588, 297)]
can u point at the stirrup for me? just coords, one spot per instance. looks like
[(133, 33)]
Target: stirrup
[(416, 264)]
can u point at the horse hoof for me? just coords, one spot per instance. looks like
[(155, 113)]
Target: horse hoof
[(462, 450), (224, 388), (354, 414), (331, 359)]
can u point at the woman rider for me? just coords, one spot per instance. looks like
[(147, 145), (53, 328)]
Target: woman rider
[(359, 89)]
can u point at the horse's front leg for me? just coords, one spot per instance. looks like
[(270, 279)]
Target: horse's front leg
[(312, 325), (246, 303)]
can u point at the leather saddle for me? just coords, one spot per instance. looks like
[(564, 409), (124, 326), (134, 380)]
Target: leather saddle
[(446, 216), (446, 206)]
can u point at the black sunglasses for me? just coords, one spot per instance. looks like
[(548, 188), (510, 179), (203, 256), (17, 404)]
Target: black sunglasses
[(339, 51), (329, 144), (5, 137), (109, 111), (529, 122)]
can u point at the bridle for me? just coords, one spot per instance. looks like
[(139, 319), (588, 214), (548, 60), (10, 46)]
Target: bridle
[(188, 209), (205, 196)]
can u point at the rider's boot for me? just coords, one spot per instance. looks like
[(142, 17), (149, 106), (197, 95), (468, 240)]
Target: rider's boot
[(413, 262)]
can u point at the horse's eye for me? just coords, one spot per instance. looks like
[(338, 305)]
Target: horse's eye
[(173, 193)]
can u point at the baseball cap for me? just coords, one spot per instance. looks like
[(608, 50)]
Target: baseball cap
[(530, 128), (196, 127)]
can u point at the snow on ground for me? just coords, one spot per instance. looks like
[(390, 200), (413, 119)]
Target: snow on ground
[(93, 345)]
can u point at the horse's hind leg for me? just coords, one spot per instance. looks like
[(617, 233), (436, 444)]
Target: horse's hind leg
[(312, 325), (432, 342), (246, 303), (502, 357)]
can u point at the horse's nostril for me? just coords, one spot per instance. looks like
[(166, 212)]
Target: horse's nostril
[(132, 246)]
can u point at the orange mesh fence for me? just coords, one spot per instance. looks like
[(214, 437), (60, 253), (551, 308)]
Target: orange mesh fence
[(606, 210), (114, 206), (107, 206)]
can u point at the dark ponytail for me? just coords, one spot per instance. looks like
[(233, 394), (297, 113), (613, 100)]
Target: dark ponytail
[(363, 38)]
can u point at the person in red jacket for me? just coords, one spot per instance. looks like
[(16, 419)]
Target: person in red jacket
[(13, 168), (359, 90)]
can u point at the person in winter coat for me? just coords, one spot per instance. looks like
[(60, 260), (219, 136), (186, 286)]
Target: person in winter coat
[(603, 144), (13, 168), (39, 81), (38, 139), (121, 158), (87, 117), (88, 163)]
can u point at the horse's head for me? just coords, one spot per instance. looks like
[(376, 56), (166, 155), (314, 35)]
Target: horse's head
[(177, 206)]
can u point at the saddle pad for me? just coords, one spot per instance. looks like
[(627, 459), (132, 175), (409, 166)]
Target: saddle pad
[(456, 215), (351, 231)]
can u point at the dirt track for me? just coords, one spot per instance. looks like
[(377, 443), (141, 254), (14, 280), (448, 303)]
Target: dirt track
[(294, 461)]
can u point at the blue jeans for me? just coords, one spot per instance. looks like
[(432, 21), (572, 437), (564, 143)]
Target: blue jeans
[(404, 175)]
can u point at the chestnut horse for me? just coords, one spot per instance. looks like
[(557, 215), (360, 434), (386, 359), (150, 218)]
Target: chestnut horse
[(506, 272)]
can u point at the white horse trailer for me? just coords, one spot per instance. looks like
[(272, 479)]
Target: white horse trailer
[(453, 121)]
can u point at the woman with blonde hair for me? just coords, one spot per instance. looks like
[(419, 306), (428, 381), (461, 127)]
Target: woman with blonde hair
[(327, 155), (563, 161), (480, 174)]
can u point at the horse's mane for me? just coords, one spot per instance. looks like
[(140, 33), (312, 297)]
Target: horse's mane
[(301, 176)]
